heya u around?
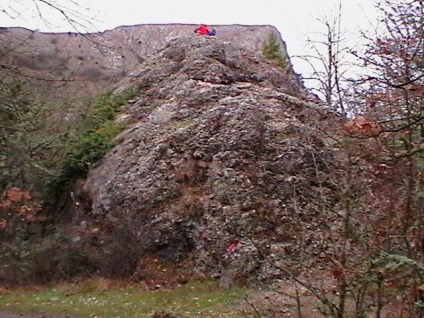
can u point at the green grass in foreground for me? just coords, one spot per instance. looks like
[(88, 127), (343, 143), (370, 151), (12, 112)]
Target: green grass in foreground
[(194, 299)]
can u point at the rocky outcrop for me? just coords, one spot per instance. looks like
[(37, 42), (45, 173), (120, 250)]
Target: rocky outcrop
[(225, 164), (82, 64)]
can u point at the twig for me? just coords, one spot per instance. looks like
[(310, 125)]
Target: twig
[(253, 307)]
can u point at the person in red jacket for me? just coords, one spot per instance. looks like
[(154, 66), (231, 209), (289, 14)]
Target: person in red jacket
[(202, 29)]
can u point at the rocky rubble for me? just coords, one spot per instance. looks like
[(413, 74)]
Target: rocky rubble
[(226, 164)]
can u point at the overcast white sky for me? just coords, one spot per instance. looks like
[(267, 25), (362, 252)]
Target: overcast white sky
[(295, 19)]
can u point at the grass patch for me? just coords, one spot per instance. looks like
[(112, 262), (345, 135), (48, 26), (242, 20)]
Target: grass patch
[(194, 299)]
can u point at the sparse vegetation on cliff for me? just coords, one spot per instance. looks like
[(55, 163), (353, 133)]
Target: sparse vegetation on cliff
[(95, 133), (271, 49)]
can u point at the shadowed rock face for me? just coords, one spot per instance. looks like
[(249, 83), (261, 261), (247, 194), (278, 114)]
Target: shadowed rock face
[(221, 163)]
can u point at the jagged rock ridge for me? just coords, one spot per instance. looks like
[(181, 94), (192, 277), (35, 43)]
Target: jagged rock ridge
[(87, 63), (221, 164)]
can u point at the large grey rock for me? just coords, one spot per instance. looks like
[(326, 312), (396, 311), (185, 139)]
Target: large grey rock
[(225, 161)]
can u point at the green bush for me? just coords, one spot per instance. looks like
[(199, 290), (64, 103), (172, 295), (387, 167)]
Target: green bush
[(271, 49), (90, 141), (96, 133), (89, 147), (25, 143)]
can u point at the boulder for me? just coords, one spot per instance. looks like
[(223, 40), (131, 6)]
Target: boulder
[(227, 164)]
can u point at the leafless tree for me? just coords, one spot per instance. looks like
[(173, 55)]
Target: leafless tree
[(47, 11), (329, 62)]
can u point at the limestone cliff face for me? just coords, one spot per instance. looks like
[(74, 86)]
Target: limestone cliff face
[(221, 164), (82, 64)]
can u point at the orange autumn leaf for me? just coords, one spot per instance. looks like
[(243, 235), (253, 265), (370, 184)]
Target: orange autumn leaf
[(361, 126)]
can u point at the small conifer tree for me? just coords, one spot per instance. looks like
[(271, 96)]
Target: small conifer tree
[(271, 49)]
